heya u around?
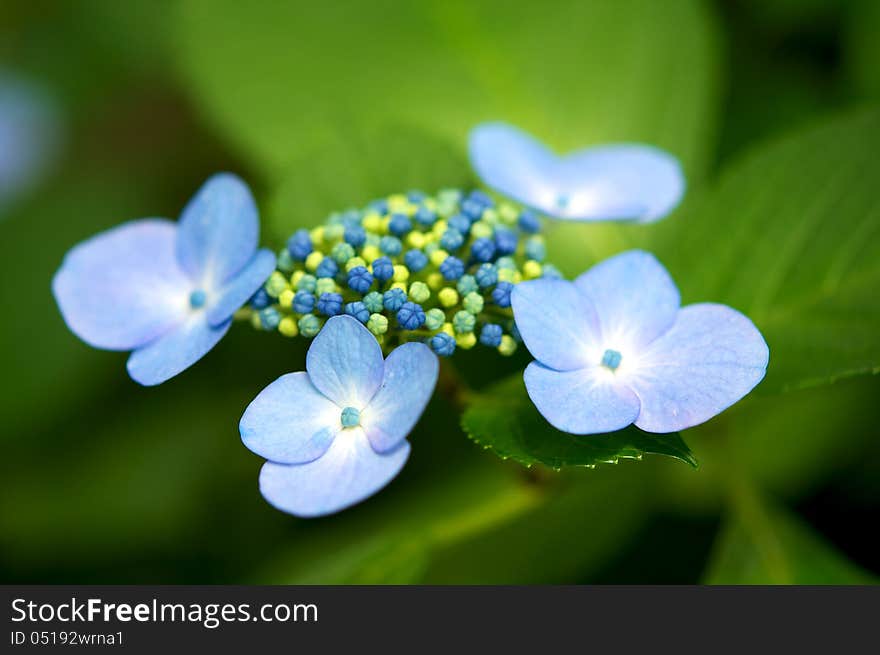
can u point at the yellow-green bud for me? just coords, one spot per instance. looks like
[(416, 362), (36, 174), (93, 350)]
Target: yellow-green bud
[(419, 292), (288, 327), (448, 296), (507, 346)]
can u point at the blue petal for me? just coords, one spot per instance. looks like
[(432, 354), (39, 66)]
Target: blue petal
[(585, 401), (710, 358), (410, 377), (612, 182), (175, 351), (290, 421), (349, 472), (619, 182), (123, 288), (635, 299), (513, 163), (558, 325), (345, 362), (240, 288), (218, 231)]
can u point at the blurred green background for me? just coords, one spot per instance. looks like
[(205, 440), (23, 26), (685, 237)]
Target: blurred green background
[(768, 103)]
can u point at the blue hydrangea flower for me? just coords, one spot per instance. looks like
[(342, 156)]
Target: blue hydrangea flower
[(615, 347), (336, 433), (166, 291), (609, 182)]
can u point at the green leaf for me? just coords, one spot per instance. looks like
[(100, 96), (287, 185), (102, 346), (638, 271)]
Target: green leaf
[(762, 544), (861, 47), (504, 420), (281, 79), (790, 235)]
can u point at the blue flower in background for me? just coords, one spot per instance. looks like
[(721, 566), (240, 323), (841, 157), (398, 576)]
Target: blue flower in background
[(166, 291), (336, 434), (29, 136), (609, 182), (614, 347)]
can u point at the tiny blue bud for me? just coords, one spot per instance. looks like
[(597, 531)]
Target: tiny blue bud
[(472, 209), (411, 316), (483, 250), (390, 246), (425, 217), (486, 275), (505, 241), (355, 235), (451, 240), (535, 249), (442, 344), (269, 318), (550, 271), (399, 224), (358, 310), (481, 197), (359, 279), (379, 206), (414, 195), (490, 335), (394, 299), (303, 302), (299, 245), (460, 222), (501, 294), (415, 260), (529, 222), (383, 269), (330, 304), (327, 268), (351, 218), (350, 417), (452, 268), (373, 302), (260, 299)]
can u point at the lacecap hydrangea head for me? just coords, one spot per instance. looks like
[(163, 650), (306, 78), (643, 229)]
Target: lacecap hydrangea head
[(410, 267)]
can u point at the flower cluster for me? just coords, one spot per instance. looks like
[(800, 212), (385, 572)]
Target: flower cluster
[(437, 269), (417, 276)]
